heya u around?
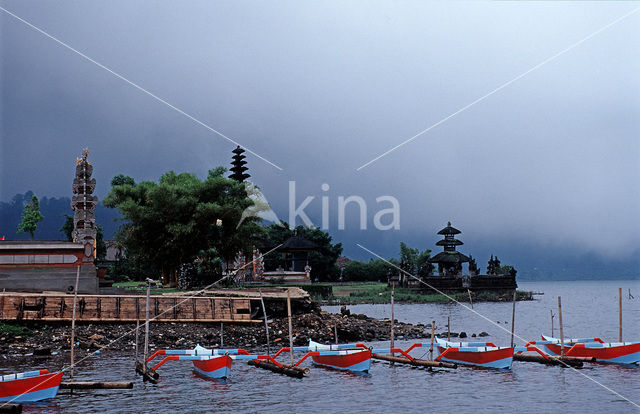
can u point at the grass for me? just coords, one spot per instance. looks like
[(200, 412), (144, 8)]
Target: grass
[(372, 292), (142, 288), (11, 330)]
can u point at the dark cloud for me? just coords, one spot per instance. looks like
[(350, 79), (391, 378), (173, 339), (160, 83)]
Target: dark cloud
[(322, 89)]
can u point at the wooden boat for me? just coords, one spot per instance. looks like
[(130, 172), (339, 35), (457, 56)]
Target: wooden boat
[(609, 352), (211, 363), (29, 386), (482, 354), (335, 356)]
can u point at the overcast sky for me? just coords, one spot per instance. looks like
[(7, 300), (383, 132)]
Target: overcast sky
[(321, 88)]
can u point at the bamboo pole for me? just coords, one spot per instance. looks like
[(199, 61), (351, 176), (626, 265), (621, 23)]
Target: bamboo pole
[(146, 327), (335, 332), (560, 321), (290, 325), (96, 385), (433, 328), (513, 316), (470, 300), (221, 335), (266, 324), (552, 315), (393, 287), (620, 314), (137, 336), (448, 328), (73, 322), (415, 361)]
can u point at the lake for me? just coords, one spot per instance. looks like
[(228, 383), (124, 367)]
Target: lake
[(590, 308)]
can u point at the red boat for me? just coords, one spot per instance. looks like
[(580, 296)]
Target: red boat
[(482, 354), (609, 352), (29, 386)]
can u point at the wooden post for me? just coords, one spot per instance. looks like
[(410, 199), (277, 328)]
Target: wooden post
[(264, 312), (393, 287), (137, 336), (470, 300), (335, 332), (221, 335), (73, 322), (433, 328), (620, 314), (552, 315), (513, 316), (448, 328), (560, 321), (290, 325), (146, 327)]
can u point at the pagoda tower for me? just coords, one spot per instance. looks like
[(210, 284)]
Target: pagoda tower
[(238, 165), (449, 261), (84, 205)]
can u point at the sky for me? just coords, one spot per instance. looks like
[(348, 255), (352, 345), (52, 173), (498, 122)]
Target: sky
[(547, 159)]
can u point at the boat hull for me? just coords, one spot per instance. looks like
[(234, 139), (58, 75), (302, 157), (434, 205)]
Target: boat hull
[(217, 367), (614, 354), (29, 389), (359, 361), (501, 358)]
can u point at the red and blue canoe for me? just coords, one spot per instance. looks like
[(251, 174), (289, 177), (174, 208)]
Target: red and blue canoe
[(481, 354), (211, 363), (334, 356), (29, 386), (609, 352)]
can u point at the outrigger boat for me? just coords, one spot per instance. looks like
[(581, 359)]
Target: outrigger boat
[(608, 352), (482, 354), (349, 357), (211, 363), (29, 386)]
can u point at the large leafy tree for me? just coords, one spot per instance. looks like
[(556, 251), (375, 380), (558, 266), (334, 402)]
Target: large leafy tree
[(169, 223), (31, 216)]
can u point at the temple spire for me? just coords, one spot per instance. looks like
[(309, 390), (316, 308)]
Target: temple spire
[(238, 166)]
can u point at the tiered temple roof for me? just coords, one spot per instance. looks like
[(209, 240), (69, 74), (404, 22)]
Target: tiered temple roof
[(238, 165)]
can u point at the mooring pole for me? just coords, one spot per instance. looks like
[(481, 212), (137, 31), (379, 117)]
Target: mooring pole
[(470, 300), (73, 322), (335, 332), (221, 335), (620, 314), (146, 327), (552, 315), (137, 336), (560, 321), (393, 287), (433, 328), (290, 325), (513, 316), (266, 325), (448, 328)]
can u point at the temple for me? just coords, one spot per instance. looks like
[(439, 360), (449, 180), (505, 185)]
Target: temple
[(37, 266), (451, 275), (449, 261), (238, 166)]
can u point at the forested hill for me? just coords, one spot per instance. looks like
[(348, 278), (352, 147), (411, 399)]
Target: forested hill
[(53, 210)]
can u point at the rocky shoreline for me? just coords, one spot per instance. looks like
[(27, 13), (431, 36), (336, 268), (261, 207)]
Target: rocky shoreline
[(45, 339)]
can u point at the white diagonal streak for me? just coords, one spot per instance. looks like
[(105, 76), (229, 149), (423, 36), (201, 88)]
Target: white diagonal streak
[(135, 85), (464, 108)]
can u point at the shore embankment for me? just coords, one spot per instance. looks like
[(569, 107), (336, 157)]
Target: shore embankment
[(44, 338)]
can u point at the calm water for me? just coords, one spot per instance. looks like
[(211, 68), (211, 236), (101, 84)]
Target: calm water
[(589, 308)]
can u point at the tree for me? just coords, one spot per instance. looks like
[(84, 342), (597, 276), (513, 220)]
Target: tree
[(67, 227), (31, 216), (167, 224)]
